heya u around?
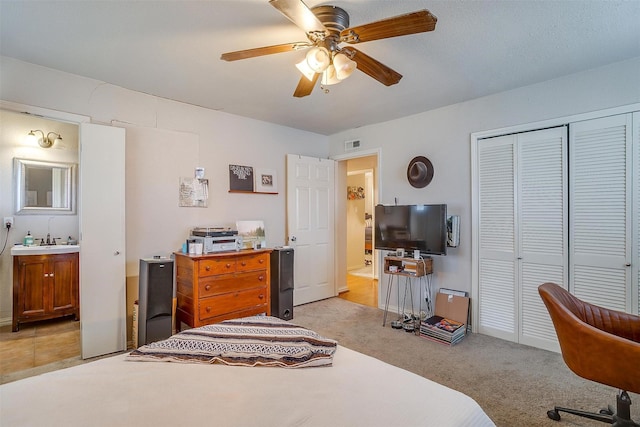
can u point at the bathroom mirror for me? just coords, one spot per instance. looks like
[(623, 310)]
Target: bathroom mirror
[(44, 187)]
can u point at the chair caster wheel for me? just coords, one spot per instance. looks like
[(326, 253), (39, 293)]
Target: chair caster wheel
[(554, 415)]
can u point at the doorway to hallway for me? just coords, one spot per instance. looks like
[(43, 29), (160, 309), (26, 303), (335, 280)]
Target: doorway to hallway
[(360, 284)]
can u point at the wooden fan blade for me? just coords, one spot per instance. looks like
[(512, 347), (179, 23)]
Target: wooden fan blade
[(374, 68), (402, 25), (299, 14), (305, 86), (267, 50)]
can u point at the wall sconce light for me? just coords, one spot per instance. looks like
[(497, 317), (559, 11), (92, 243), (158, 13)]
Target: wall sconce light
[(46, 141)]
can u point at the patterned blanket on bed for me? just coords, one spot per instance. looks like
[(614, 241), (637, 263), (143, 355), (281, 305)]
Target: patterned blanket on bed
[(248, 341)]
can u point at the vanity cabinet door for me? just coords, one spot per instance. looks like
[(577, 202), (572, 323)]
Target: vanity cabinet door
[(32, 284), (64, 283)]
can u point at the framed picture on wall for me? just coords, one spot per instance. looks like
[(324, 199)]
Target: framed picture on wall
[(266, 181), (240, 178)]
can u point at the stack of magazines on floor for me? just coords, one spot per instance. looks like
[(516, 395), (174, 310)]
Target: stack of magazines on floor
[(442, 329), (451, 314)]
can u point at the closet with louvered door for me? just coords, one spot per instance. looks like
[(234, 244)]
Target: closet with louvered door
[(522, 232), (603, 221), (635, 253)]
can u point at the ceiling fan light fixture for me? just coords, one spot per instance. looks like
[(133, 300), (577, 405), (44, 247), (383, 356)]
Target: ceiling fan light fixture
[(304, 68), (344, 66), (318, 59), (329, 76)]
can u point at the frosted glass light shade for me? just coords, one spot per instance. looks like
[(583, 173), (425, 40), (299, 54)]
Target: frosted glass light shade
[(31, 139), (304, 68), (344, 66), (318, 59), (329, 76)]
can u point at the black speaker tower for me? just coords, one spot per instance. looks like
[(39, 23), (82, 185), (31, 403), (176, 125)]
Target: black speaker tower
[(282, 283), (155, 300)]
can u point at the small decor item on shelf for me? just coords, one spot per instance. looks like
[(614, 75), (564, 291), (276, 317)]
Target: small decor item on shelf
[(240, 178), (266, 181)]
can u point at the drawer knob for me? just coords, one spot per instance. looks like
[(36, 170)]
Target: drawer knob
[(208, 268), (228, 265), (261, 261), (208, 309), (260, 278), (243, 263), (207, 287), (261, 296)]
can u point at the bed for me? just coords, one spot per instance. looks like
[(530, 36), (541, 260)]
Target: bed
[(352, 389)]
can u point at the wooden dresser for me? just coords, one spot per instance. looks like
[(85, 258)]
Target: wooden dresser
[(214, 287)]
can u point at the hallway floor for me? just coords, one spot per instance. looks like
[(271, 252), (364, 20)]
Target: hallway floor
[(362, 290)]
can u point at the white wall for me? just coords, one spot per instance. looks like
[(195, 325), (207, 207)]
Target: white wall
[(443, 136), (166, 140)]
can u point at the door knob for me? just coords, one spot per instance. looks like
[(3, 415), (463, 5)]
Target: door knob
[(116, 253)]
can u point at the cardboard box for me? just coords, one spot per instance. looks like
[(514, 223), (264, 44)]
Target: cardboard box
[(448, 307)]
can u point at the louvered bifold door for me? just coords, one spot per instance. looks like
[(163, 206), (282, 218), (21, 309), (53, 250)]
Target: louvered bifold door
[(542, 229), (635, 254), (496, 238), (600, 211)]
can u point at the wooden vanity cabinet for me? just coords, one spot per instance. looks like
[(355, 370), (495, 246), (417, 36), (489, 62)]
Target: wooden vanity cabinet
[(45, 287), (214, 287)]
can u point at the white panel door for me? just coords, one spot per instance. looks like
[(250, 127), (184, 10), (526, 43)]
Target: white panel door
[(102, 240), (600, 218), (310, 226)]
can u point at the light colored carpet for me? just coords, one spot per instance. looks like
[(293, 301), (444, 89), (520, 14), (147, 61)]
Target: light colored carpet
[(513, 383)]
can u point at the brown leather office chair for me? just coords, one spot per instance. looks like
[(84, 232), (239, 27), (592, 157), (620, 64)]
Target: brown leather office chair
[(597, 344)]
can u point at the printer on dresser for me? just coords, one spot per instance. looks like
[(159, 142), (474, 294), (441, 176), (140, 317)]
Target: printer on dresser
[(214, 287)]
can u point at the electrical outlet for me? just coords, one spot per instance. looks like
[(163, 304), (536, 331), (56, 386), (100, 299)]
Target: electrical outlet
[(8, 221)]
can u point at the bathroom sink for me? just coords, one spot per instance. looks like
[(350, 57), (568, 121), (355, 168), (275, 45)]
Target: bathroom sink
[(44, 250)]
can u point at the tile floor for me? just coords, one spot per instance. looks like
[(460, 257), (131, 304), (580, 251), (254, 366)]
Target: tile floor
[(37, 344)]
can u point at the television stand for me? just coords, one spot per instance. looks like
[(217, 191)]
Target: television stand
[(409, 268)]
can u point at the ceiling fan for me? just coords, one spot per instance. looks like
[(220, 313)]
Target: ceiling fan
[(326, 28)]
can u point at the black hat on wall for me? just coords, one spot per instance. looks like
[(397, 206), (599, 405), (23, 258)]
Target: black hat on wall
[(420, 172)]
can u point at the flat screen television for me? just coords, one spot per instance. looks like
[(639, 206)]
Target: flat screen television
[(411, 227)]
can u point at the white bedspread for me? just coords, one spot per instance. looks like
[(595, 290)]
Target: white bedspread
[(357, 390)]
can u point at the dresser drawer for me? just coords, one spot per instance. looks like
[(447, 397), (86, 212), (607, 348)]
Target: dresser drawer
[(214, 266), (252, 262), (234, 301), (235, 282)]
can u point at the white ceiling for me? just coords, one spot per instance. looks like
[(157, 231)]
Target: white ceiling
[(172, 48)]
